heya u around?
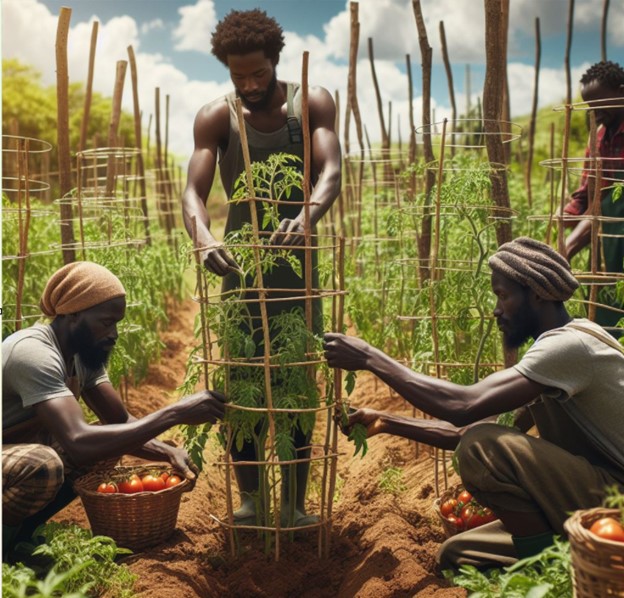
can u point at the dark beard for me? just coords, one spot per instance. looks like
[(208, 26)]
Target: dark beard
[(521, 329), (92, 356), (266, 98)]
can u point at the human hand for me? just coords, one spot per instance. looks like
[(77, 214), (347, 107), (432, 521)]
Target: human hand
[(289, 232), (218, 259), (180, 461), (369, 418), (206, 406), (346, 352)]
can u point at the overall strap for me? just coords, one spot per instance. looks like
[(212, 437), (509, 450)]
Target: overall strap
[(294, 127), (607, 339)]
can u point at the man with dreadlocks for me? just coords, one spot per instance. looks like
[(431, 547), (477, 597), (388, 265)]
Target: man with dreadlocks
[(569, 384), (602, 87), (249, 43)]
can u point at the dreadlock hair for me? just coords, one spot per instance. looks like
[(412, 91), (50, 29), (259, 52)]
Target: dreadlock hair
[(534, 264), (245, 31), (606, 72)]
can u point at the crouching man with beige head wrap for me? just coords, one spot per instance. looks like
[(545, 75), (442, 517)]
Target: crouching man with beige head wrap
[(569, 384), (46, 441)]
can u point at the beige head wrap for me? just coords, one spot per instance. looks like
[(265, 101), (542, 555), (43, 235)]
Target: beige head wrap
[(79, 286), (535, 265)]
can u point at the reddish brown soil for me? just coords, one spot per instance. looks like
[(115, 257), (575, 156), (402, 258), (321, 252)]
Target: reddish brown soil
[(383, 544)]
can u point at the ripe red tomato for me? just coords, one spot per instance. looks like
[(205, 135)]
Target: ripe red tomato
[(467, 512), (608, 528), (458, 522), (152, 482), (464, 497), (173, 480), (478, 516), (448, 507), (164, 475), (131, 485), (107, 488)]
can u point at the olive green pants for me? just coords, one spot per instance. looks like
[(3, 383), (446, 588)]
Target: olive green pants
[(506, 469)]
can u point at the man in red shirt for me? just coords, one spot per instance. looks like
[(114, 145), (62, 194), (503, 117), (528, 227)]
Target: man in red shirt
[(602, 87)]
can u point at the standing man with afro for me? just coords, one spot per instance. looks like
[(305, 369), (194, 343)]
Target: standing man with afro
[(602, 87), (249, 43)]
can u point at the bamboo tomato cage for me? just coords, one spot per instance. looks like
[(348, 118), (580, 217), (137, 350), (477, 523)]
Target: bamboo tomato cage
[(219, 356)]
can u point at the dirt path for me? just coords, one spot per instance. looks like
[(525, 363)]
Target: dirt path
[(383, 544)]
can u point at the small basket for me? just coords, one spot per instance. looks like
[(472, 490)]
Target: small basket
[(597, 564), (134, 521), (452, 492)]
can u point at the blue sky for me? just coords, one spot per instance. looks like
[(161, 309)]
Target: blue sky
[(171, 39)]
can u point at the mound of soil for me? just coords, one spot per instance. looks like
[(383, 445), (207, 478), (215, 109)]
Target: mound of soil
[(384, 539)]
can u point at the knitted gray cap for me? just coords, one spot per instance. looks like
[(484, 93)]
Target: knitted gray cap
[(535, 265)]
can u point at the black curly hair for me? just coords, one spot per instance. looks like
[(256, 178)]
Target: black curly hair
[(244, 31), (606, 72)]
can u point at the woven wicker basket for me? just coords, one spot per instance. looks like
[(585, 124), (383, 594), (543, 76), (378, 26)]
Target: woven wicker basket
[(134, 521), (449, 528), (597, 564)]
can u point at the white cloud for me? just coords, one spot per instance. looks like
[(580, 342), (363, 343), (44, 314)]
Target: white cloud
[(390, 23), (152, 25), (197, 22)]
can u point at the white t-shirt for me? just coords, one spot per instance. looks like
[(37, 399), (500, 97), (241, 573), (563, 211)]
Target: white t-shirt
[(583, 408), (33, 370)]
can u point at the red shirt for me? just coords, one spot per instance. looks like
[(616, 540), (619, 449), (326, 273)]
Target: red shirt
[(613, 168)]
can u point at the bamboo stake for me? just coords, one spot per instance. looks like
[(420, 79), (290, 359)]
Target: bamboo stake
[(113, 129), (412, 151), (432, 303), (138, 142), (564, 177), (385, 145), (594, 191), (338, 391), (603, 30), (355, 108), (551, 180), (23, 224), (62, 99), (492, 108), (263, 309), (89, 91), (449, 77), (424, 242), (567, 51), (529, 169)]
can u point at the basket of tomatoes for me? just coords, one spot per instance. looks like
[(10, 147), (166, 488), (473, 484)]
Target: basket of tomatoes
[(136, 506), (458, 511), (597, 550)]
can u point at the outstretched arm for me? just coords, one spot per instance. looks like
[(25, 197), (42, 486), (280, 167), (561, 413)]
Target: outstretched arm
[(86, 444), (326, 168), (460, 405)]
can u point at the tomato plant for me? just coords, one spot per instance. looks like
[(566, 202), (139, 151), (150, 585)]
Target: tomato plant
[(130, 485), (107, 488), (153, 482), (608, 528)]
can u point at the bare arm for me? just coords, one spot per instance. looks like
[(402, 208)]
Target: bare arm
[(500, 392), (579, 237), (326, 167), (433, 432), (211, 124), (86, 444)]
